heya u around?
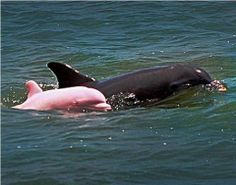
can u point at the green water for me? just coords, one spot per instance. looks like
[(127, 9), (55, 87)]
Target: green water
[(189, 139)]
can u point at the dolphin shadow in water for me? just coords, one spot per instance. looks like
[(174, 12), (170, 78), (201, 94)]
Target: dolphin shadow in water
[(138, 86)]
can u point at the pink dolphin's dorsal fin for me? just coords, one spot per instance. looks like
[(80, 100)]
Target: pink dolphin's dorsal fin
[(32, 88)]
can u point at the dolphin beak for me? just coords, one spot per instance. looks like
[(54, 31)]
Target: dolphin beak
[(219, 86), (102, 106), (99, 107)]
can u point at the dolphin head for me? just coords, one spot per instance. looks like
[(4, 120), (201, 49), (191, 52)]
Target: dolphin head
[(202, 76), (90, 99), (205, 78)]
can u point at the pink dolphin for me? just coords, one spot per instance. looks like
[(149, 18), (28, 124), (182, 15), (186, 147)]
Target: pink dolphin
[(73, 98)]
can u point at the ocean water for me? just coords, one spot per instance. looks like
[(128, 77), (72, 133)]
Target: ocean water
[(189, 139)]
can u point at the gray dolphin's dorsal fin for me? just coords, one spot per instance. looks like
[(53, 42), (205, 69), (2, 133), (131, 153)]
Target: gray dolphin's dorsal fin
[(67, 76)]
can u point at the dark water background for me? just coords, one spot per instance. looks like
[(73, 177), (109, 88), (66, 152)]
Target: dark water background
[(190, 139)]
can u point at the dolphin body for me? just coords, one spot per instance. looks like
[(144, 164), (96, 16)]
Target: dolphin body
[(71, 99), (146, 84)]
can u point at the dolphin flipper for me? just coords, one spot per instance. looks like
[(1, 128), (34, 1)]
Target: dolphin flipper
[(67, 76)]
